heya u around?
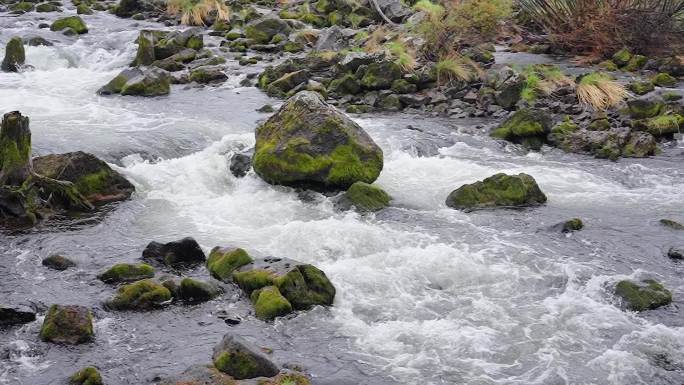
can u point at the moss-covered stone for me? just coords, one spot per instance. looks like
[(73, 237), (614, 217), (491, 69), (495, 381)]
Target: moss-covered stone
[(269, 303), (47, 7), (671, 97), (287, 379), (127, 272), (640, 145), (264, 29), (380, 75), (70, 324), (641, 87), (141, 295), (635, 63), (674, 225), (561, 130), (499, 190), (281, 86), (366, 197), (73, 22), (622, 57), (223, 261), (22, 7), (241, 360), (574, 224), (358, 108), (347, 84), (608, 65), (197, 291), (309, 143), (523, 125), (599, 124), (15, 56), (84, 9), (664, 80), (663, 125), (644, 108), (86, 376), (402, 86), (646, 295), (179, 254), (208, 74)]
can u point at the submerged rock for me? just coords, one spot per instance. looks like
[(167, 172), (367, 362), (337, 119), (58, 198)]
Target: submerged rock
[(500, 190), (69, 324), (364, 197), (644, 295), (16, 315), (242, 360), (127, 272), (74, 22), (141, 295), (14, 55), (223, 261), (137, 82), (58, 262), (672, 224), (98, 182), (574, 224), (86, 376), (309, 143), (177, 254), (676, 252)]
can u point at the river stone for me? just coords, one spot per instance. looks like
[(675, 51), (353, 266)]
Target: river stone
[(241, 359), (141, 295), (177, 254), (672, 224), (156, 45), (240, 164), (86, 376), (574, 224), (676, 252), (644, 107), (264, 29), (16, 315), (35, 41), (310, 143), (128, 8), (379, 75), (192, 290), (126, 272), (22, 7), (287, 82), (58, 262), (199, 375), (83, 9), (14, 55), (644, 295), (303, 285), (93, 178), (208, 74), (223, 261), (499, 190), (269, 303), (138, 82), (527, 126), (640, 145), (364, 197), (176, 62), (73, 22), (67, 324)]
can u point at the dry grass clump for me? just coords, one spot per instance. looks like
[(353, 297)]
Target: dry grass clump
[(456, 68), (600, 91), (196, 12)]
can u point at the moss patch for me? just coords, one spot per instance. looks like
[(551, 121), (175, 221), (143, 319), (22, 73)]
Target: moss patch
[(127, 272), (141, 295), (648, 295), (269, 303), (73, 22), (86, 376), (222, 262), (68, 325), (497, 190), (367, 197)]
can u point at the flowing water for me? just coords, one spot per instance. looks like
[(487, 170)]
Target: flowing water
[(426, 294)]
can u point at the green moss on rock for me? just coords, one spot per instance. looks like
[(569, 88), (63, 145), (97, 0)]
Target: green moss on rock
[(367, 197), (636, 63), (127, 272), (641, 87), (73, 22), (672, 224), (197, 291), (269, 303), (649, 294), (644, 108), (380, 75), (497, 190), (223, 261), (70, 324), (523, 125), (140, 295), (15, 56), (622, 57), (86, 376), (664, 80), (253, 279)]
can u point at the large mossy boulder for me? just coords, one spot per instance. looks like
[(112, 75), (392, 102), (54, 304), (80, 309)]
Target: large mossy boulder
[(138, 82), (155, 45), (16, 315), (141, 295), (241, 359), (500, 190), (529, 127), (127, 272), (310, 143), (74, 22), (264, 29), (93, 177), (86, 376), (644, 295), (223, 261), (70, 324), (14, 55), (364, 197), (177, 254)]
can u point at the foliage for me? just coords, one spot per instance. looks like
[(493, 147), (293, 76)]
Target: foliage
[(196, 12), (542, 80), (456, 68), (600, 91)]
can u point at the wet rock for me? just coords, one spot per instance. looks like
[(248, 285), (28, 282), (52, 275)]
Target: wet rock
[(395, 10), (364, 197), (176, 62), (287, 82), (178, 254), (644, 107), (664, 80), (673, 65), (14, 55), (127, 272), (267, 108), (622, 57), (93, 177), (16, 315), (672, 224), (500, 190), (208, 74), (240, 164), (128, 8), (574, 224), (58, 262), (22, 7), (353, 60), (83, 9), (309, 143), (223, 261), (86, 376), (334, 39), (346, 85), (36, 41), (74, 22), (242, 360), (141, 295), (641, 87), (67, 324), (676, 252), (192, 290), (640, 145), (528, 127), (156, 45), (303, 285), (663, 125), (264, 29), (644, 295), (379, 75), (269, 303), (199, 375), (138, 82)]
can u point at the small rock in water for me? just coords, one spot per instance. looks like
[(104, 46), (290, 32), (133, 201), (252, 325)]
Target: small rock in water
[(58, 262), (126, 272), (266, 108), (240, 164), (672, 224), (192, 290), (16, 315), (500, 190), (14, 55), (178, 254), (574, 224), (644, 295), (141, 295), (86, 376), (67, 324), (241, 359), (676, 252), (364, 197)]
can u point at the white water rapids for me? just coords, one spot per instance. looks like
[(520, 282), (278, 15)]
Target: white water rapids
[(425, 294)]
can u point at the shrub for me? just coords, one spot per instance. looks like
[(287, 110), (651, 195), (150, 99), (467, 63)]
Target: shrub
[(600, 91), (196, 12)]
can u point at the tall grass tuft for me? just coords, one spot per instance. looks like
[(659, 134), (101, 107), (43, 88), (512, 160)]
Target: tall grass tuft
[(456, 68), (197, 12), (600, 91)]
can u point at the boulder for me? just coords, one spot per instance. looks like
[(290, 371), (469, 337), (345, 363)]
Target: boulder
[(640, 145), (177, 254), (138, 82), (192, 290), (334, 39), (310, 143), (22, 7), (264, 29), (74, 22), (16, 315), (500, 190), (242, 360), (269, 303), (287, 82), (176, 62), (527, 126), (664, 80), (663, 125), (379, 75), (154, 45), (303, 285), (141, 295), (641, 87), (67, 324), (644, 108), (395, 10), (14, 55), (644, 295), (348, 84), (223, 261), (128, 8), (93, 177), (126, 272), (364, 197), (36, 41), (86, 376), (83, 9), (58, 262)]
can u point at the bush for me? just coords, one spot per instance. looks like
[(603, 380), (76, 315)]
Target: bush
[(601, 27)]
